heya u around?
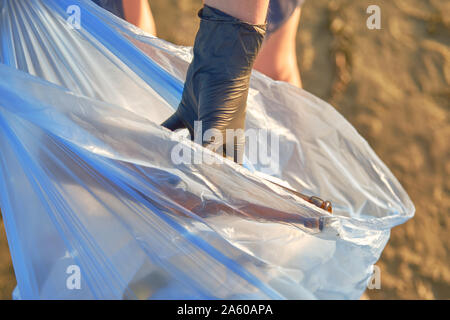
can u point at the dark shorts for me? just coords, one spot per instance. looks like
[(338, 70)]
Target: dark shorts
[(279, 11), (114, 6)]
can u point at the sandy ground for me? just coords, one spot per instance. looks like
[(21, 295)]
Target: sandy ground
[(393, 85)]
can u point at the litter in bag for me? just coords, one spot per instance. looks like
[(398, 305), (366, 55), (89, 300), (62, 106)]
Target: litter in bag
[(95, 207)]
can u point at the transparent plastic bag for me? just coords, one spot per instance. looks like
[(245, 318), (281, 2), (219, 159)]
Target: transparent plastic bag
[(87, 178)]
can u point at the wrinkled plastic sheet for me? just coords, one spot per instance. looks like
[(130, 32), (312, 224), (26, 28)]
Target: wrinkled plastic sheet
[(87, 180)]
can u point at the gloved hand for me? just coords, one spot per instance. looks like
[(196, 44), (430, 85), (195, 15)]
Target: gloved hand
[(217, 82)]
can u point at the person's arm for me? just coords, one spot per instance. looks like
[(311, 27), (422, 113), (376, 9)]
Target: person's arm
[(251, 11), (138, 12), (217, 82)]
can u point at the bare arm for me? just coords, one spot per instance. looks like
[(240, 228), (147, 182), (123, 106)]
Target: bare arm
[(252, 11)]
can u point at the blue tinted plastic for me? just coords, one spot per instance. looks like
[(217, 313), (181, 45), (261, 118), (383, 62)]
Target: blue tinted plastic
[(87, 178)]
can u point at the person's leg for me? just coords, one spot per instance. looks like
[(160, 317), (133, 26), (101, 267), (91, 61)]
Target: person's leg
[(138, 12), (278, 56), (251, 11)]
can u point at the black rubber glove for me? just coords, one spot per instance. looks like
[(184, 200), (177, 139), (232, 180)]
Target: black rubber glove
[(217, 82)]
